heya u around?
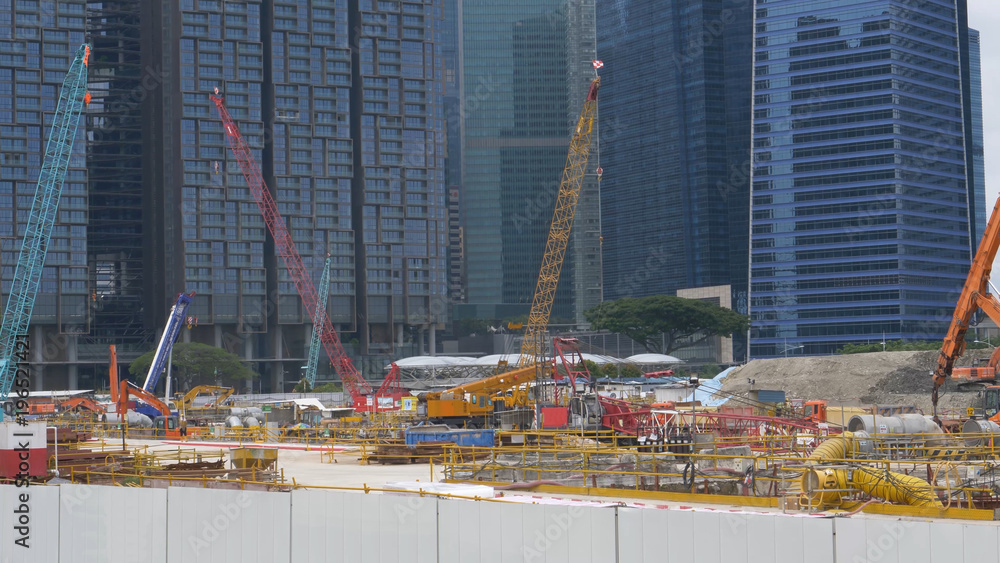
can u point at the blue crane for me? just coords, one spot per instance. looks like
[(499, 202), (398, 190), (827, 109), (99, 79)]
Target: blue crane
[(35, 246), (316, 345), (162, 355)]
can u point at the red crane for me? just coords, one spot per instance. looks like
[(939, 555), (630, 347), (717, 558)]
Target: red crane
[(354, 383)]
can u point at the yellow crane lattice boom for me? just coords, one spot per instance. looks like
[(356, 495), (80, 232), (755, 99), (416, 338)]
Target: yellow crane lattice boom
[(533, 347)]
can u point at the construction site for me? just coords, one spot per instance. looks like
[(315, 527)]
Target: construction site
[(866, 457)]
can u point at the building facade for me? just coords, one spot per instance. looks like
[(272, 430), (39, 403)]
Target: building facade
[(342, 103), (862, 199), (38, 41), (982, 208), (526, 69), (675, 118)]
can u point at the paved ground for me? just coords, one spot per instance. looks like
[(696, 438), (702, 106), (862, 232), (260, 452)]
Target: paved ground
[(307, 467)]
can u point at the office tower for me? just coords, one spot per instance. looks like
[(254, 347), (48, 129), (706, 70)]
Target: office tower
[(527, 66), (861, 192), (980, 208), (675, 147)]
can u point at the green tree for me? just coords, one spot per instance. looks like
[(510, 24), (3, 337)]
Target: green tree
[(664, 323), (302, 386), (593, 368), (198, 364), (610, 370), (328, 388), (629, 371)]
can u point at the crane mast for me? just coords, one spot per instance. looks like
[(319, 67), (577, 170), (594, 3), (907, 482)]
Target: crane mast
[(533, 346), (315, 344), (354, 383), (31, 258)]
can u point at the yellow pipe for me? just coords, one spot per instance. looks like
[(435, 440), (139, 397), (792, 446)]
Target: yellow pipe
[(827, 487), (895, 487)]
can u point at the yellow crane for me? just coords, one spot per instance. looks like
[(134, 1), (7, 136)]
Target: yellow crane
[(457, 404), (533, 346)]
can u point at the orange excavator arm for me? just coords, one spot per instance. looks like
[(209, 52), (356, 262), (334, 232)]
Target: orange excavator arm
[(127, 388), (975, 295), (113, 373)]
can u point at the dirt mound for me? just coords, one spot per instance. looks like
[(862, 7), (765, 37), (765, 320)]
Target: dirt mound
[(855, 379)]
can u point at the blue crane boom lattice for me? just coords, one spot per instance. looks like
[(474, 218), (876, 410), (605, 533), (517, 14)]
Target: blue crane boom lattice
[(35, 246), (316, 344)]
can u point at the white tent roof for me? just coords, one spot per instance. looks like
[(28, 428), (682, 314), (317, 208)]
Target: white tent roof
[(434, 362), (653, 359)]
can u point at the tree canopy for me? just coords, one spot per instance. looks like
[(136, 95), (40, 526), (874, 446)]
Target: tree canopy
[(198, 364), (664, 323)]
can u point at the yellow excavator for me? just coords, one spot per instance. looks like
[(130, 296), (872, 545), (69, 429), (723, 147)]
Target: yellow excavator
[(186, 406), (472, 404)]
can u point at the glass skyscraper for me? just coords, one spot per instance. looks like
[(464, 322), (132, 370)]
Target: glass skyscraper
[(342, 102), (982, 207), (861, 194), (675, 146), (527, 65)]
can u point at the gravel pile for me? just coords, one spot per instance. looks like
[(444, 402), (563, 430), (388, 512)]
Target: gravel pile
[(884, 378)]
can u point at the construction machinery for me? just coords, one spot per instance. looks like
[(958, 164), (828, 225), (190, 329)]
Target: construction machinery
[(34, 247), (465, 403), (175, 321), (472, 403), (315, 343), (220, 394), (163, 421), (363, 397), (165, 424), (975, 296)]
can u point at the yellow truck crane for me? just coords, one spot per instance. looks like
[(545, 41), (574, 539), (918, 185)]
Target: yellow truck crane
[(472, 403)]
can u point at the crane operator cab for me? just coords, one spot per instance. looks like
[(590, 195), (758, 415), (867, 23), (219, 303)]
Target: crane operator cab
[(166, 427)]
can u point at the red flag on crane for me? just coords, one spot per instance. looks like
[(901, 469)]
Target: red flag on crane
[(598, 64)]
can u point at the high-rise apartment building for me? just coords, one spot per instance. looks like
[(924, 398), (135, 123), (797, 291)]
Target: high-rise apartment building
[(675, 147), (342, 103), (527, 66), (862, 197), (38, 41)]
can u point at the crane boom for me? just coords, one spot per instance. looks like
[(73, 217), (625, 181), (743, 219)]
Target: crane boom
[(453, 403), (975, 295), (174, 323), (354, 383), (31, 258), (315, 344), (533, 346)]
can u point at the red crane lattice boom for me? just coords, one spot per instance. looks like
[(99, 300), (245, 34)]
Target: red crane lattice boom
[(354, 383)]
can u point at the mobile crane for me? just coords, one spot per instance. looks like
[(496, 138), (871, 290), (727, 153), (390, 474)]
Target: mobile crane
[(163, 350), (975, 296), (467, 402), (31, 259), (362, 396)]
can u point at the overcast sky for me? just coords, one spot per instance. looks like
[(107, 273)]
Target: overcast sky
[(984, 15)]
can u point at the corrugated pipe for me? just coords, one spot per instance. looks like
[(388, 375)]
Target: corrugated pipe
[(827, 487)]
